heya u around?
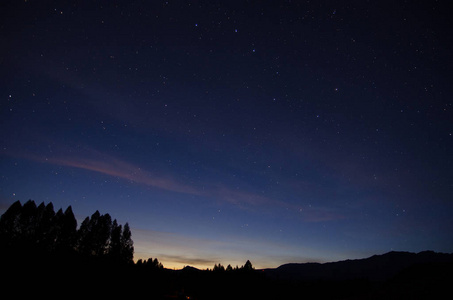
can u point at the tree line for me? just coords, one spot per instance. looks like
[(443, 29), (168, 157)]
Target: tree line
[(28, 226), (39, 227), (246, 267)]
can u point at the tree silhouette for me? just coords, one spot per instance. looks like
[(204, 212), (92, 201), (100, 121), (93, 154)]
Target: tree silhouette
[(248, 266), (28, 222), (152, 264), (127, 245), (94, 235), (218, 268), (85, 237), (102, 234), (10, 229), (65, 227), (115, 246), (46, 234)]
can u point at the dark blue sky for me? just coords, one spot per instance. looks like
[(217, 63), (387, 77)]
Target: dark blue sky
[(275, 131)]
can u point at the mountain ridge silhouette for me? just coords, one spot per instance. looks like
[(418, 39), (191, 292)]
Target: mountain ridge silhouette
[(374, 268)]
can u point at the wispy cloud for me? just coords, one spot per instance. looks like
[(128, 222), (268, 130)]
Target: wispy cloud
[(113, 166), (93, 160), (122, 169), (245, 198), (102, 163)]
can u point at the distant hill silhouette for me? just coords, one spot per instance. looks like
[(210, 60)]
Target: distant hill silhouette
[(375, 268)]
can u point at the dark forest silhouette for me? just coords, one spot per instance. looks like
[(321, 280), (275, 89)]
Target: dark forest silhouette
[(47, 254), (40, 229)]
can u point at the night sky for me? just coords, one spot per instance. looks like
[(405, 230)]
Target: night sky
[(274, 131)]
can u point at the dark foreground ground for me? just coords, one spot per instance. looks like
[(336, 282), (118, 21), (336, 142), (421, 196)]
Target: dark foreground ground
[(70, 275)]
